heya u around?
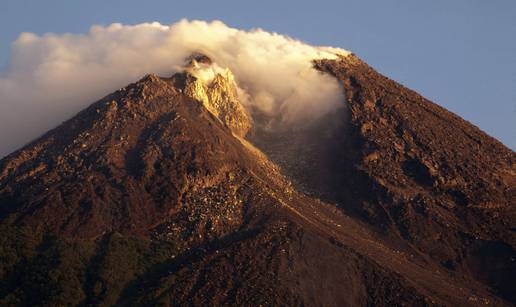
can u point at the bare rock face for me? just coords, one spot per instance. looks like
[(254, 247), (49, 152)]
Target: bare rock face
[(218, 93), (152, 196), (224, 103)]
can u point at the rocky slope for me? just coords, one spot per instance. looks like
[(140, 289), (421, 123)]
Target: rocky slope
[(152, 196), (439, 182)]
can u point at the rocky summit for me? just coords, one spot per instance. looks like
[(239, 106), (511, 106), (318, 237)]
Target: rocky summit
[(171, 192)]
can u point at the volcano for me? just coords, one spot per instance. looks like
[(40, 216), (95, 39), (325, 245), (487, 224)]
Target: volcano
[(171, 192)]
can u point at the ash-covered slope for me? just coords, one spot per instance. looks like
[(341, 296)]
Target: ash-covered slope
[(419, 171), (152, 196)]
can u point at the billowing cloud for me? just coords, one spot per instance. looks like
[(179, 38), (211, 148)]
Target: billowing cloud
[(51, 77)]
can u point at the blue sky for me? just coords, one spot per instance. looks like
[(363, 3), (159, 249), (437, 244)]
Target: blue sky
[(461, 54)]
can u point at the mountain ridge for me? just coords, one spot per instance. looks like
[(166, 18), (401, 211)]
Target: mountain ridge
[(163, 201)]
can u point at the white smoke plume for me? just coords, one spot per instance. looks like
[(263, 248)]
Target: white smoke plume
[(49, 78)]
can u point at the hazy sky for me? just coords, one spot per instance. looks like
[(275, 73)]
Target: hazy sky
[(459, 53)]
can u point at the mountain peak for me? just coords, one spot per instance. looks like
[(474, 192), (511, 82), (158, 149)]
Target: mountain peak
[(196, 57), (217, 89)]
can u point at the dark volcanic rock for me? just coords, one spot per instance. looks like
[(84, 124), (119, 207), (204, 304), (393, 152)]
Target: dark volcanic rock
[(147, 197), (443, 185)]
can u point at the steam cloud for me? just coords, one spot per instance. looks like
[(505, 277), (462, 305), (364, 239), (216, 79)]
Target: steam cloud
[(52, 77)]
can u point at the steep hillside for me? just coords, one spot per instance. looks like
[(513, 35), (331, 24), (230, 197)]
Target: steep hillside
[(157, 195), (442, 184)]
